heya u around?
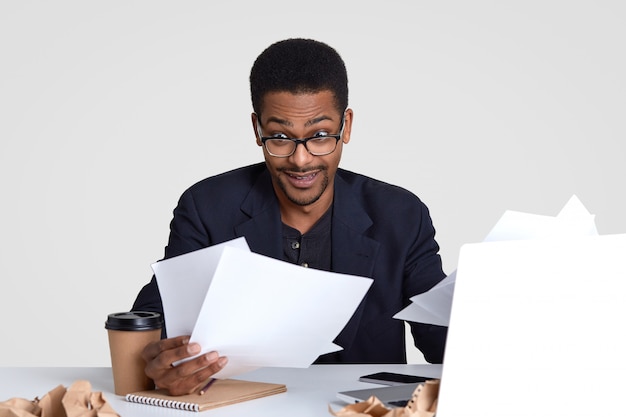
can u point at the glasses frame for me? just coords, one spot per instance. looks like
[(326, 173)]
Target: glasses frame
[(302, 141)]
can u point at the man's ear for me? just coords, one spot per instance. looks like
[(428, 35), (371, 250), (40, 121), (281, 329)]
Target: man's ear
[(347, 125), (255, 124)]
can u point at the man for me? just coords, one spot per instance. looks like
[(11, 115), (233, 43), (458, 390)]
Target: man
[(300, 207)]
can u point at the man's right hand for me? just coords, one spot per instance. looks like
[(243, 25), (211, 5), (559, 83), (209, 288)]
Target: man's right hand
[(187, 377)]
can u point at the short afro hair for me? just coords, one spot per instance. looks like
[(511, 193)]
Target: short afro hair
[(299, 66)]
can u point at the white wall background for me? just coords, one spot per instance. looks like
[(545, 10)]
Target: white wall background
[(110, 109)]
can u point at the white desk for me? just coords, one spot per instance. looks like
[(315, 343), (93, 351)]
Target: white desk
[(309, 391)]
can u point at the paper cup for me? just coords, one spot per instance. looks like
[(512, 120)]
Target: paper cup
[(129, 333)]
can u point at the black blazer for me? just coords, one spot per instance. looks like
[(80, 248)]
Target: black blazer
[(379, 231)]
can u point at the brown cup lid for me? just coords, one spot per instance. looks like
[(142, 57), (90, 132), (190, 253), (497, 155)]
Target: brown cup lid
[(134, 320)]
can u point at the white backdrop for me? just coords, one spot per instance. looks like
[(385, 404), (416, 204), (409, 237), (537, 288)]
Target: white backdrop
[(110, 109)]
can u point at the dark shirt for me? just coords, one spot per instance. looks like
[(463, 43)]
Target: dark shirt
[(311, 250)]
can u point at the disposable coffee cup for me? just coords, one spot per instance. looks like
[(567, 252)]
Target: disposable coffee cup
[(129, 333)]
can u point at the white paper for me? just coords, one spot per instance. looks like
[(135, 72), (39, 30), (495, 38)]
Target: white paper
[(256, 310), (433, 306), (573, 220), (184, 281)]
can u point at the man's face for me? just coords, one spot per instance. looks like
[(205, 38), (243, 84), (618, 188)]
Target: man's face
[(302, 179)]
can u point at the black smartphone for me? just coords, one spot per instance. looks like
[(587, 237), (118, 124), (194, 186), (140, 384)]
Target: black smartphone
[(390, 378)]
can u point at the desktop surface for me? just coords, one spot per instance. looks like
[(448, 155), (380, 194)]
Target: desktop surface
[(310, 391)]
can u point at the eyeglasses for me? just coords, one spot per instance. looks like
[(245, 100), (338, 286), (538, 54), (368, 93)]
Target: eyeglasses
[(282, 146)]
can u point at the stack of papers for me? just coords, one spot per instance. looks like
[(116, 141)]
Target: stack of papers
[(256, 310)]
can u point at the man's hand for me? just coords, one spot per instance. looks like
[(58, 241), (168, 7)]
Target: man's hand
[(188, 376)]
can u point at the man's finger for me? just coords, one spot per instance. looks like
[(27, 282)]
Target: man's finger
[(152, 350)]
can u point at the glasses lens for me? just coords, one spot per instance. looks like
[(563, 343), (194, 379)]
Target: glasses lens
[(280, 147), (321, 146)]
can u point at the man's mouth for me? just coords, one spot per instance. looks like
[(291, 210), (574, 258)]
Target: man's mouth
[(302, 179), (308, 176)]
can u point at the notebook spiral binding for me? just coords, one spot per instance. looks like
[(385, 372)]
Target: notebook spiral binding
[(179, 405)]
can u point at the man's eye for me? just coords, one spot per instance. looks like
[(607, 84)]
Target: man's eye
[(320, 134), (279, 136)]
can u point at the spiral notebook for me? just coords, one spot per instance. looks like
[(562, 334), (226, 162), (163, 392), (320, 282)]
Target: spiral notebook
[(222, 392)]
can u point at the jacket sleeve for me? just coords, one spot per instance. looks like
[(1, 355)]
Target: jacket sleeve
[(424, 267)]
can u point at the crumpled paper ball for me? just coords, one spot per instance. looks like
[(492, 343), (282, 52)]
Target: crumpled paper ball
[(423, 403), (77, 401)]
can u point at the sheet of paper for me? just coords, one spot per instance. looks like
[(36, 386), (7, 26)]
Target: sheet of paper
[(573, 220), (184, 281), (256, 310), (433, 306), (264, 312)]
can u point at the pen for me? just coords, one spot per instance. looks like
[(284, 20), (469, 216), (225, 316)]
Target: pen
[(207, 386)]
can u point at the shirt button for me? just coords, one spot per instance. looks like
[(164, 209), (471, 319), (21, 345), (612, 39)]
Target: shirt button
[(304, 264), (295, 245)]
